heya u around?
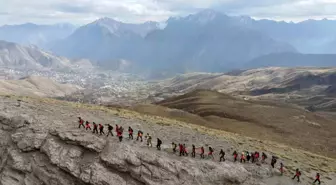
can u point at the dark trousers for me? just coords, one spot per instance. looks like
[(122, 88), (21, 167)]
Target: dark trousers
[(120, 138), (102, 132), (81, 125), (158, 146), (317, 180), (202, 155), (140, 138), (298, 178), (221, 158), (109, 132), (130, 136), (193, 154), (95, 130)]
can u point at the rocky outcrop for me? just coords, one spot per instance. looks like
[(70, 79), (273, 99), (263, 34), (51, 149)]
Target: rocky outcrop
[(31, 155)]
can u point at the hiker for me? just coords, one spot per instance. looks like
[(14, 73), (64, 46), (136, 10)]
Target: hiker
[(121, 129), (159, 142), (130, 133), (281, 168), (95, 128), (185, 150), (297, 174), (81, 122), (317, 178), (264, 157), (140, 133), (193, 151), (202, 152), (235, 155), (149, 140), (211, 152), (248, 156), (174, 145), (273, 161), (242, 158), (110, 128), (252, 157), (117, 128), (256, 156), (120, 134), (87, 125), (101, 129), (222, 154), (181, 149)]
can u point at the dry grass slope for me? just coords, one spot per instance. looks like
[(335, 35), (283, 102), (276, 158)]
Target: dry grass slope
[(308, 161), (36, 86), (264, 120)]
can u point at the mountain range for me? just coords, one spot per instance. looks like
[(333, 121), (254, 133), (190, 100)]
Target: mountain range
[(206, 41), (33, 34), (104, 40), (310, 36), (17, 56)]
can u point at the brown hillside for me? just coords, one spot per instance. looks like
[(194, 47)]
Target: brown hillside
[(264, 120)]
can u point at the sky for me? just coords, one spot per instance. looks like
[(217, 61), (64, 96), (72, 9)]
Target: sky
[(136, 11)]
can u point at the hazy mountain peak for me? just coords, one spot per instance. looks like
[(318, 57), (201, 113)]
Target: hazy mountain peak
[(106, 20), (205, 16), (29, 57), (208, 13), (107, 23)]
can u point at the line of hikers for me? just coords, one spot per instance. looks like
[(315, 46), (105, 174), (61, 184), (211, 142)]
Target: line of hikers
[(244, 157)]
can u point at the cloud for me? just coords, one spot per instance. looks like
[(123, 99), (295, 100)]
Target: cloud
[(84, 11)]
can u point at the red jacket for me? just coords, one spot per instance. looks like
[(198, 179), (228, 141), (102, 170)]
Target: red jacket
[(181, 148), (119, 133)]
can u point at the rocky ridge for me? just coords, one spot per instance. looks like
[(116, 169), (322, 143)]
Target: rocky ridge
[(32, 153), (37, 156), (41, 144)]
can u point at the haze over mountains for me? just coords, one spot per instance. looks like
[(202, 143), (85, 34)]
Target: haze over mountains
[(13, 55), (207, 41), (34, 34)]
